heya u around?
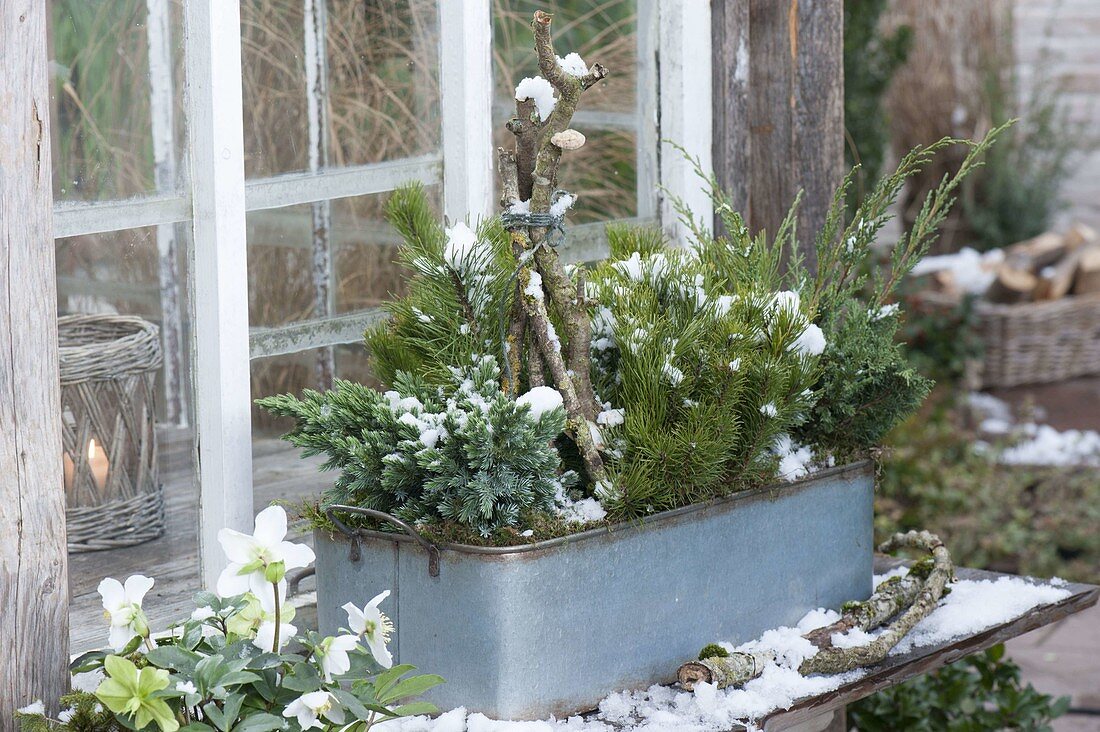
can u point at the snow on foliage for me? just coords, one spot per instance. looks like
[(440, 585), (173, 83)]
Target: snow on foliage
[(541, 399), (461, 242), (811, 342)]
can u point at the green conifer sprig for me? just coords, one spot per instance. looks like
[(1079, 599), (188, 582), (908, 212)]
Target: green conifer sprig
[(705, 362), (467, 453), (81, 712), (452, 309)]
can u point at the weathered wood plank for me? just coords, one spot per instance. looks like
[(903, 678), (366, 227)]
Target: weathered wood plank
[(732, 138), (34, 623), (796, 110)]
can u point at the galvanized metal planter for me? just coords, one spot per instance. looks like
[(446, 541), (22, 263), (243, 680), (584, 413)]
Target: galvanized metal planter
[(555, 626)]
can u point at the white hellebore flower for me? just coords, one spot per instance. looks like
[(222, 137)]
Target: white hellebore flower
[(308, 708), (122, 607), (370, 623), (333, 654), (250, 556)]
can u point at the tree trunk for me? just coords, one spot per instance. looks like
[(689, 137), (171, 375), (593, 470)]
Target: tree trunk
[(34, 593)]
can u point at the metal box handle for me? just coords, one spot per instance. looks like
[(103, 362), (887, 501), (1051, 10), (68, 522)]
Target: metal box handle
[(355, 535)]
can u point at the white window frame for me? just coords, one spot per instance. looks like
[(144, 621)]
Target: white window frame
[(673, 36)]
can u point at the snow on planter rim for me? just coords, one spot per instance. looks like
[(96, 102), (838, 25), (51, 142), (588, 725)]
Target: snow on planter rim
[(971, 607)]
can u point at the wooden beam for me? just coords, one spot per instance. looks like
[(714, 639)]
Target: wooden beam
[(684, 110), (466, 104), (732, 140), (796, 111), (223, 407), (34, 590)]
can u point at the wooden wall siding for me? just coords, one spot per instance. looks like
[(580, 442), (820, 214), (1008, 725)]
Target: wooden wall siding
[(1067, 33), (34, 595), (785, 132)]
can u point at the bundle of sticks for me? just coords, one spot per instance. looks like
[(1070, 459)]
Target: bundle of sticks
[(898, 603)]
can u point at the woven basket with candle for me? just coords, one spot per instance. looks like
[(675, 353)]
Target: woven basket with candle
[(108, 367)]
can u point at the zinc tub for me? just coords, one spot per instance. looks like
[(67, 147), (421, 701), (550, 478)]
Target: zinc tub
[(555, 626)]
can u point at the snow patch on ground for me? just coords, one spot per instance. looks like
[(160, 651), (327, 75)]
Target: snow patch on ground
[(1032, 443)]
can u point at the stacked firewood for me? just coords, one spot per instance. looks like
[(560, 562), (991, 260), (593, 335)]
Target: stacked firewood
[(1048, 267)]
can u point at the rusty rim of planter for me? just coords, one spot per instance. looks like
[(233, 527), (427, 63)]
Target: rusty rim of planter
[(412, 535)]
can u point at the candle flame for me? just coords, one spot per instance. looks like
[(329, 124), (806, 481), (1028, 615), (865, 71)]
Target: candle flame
[(91, 449)]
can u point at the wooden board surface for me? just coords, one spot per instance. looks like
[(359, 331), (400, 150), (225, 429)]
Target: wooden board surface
[(32, 551)]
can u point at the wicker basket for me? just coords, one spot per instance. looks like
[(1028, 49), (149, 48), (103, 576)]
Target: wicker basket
[(1033, 343), (108, 369)]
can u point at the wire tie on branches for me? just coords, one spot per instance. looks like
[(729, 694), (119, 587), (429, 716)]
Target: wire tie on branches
[(554, 224)]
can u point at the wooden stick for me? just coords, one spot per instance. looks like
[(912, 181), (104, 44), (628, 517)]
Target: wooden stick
[(575, 321), (917, 594), (839, 660)]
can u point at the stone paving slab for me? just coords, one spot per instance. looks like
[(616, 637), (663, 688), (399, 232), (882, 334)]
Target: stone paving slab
[(1064, 658)]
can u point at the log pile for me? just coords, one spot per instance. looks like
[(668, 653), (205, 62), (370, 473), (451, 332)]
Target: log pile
[(1048, 267)]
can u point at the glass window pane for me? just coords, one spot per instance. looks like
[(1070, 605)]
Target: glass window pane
[(281, 283), (274, 78), (105, 102), (383, 80), (603, 171), (118, 272), (381, 97)]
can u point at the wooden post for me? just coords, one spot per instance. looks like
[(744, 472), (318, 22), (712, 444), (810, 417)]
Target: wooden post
[(34, 591), (732, 142), (794, 106)]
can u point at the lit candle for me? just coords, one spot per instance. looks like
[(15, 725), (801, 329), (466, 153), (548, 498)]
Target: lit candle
[(97, 459)]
